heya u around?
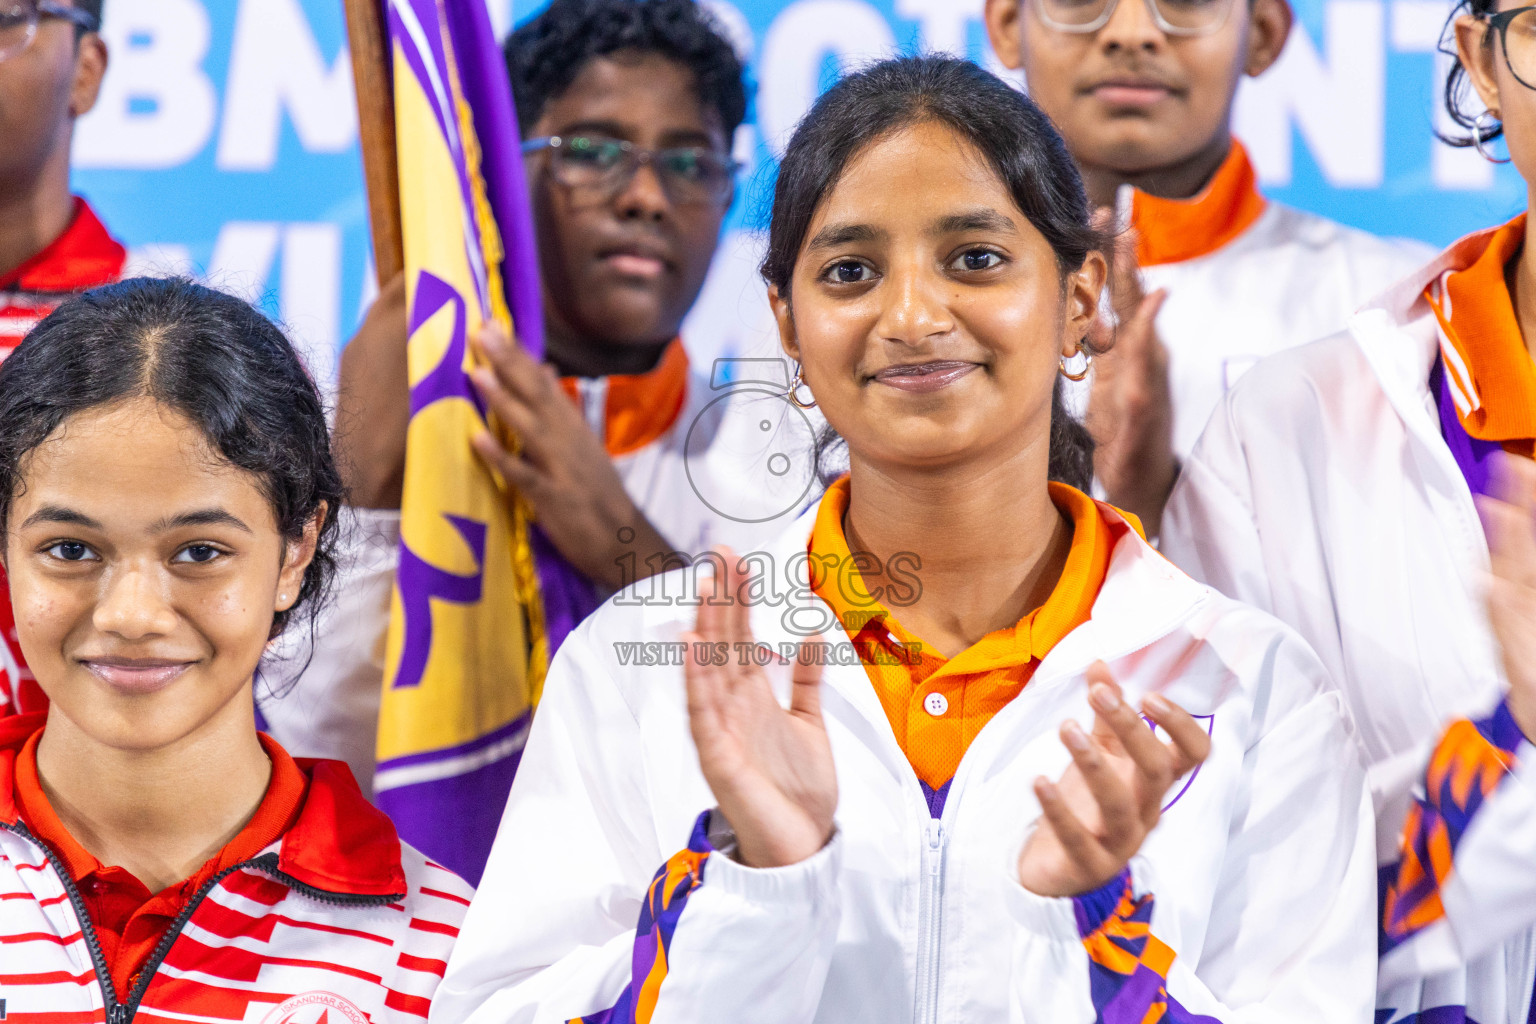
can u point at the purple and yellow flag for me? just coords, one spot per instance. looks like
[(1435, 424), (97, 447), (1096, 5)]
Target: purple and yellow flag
[(469, 639)]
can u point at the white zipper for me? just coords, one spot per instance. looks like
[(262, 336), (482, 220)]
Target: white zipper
[(930, 923), (594, 403)]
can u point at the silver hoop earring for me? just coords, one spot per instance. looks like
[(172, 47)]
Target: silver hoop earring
[(793, 394), (1081, 374), (1484, 127)]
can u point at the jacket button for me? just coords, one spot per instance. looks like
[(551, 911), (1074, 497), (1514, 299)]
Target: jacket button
[(936, 704)]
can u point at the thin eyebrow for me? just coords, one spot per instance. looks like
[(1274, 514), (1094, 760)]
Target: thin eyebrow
[(982, 219), (60, 514), (834, 235), (200, 517)]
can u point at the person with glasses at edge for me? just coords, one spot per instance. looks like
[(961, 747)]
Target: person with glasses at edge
[(52, 245), (628, 110), (1376, 491), (1211, 276)]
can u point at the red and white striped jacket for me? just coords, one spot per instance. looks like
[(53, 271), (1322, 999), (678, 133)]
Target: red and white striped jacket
[(338, 922)]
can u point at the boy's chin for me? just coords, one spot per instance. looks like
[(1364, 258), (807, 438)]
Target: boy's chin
[(1139, 145), (632, 324)]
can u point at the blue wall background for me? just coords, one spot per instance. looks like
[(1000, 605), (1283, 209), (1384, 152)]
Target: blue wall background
[(225, 141)]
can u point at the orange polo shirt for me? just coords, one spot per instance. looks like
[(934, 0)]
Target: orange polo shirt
[(1175, 230), (1485, 355), (937, 705), (128, 919), (640, 407)]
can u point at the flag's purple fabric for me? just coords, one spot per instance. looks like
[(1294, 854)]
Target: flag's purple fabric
[(568, 595)]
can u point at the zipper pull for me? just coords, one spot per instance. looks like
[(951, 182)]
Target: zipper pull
[(118, 1015), (935, 835)]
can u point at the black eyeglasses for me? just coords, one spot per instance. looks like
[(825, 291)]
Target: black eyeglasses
[(19, 18), (689, 174), (1517, 38)]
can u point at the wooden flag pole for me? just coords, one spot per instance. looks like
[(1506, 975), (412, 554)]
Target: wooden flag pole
[(369, 42)]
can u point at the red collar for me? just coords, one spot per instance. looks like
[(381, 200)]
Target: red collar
[(84, 256), (1175, 230), (339, 843)]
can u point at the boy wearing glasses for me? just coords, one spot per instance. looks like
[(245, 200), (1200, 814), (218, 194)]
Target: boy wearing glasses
[(51, 244), (1142, 91), (630, 452)]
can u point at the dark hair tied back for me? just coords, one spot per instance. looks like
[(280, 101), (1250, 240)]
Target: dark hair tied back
[(1010, 132), (210, 357)]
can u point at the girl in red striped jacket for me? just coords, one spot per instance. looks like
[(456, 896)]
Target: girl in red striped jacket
[(167, 500)]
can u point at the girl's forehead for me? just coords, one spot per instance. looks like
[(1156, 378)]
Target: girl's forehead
[(905, 175), (130, 462)]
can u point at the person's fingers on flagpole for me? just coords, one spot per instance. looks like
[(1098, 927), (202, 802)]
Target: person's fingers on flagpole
[(518, 474), (516, 370), (513, 414)]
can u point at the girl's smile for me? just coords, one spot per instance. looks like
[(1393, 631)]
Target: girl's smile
[(923, 378)]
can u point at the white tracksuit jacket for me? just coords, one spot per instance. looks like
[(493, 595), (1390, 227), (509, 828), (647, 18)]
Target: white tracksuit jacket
[(1291, 278), (1323, 493), (1260, 872), (1288, 278), (734, 467)]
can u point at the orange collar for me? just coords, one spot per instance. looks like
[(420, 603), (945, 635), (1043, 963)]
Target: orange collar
[(1491, 373), (1040, 630), (1175, 230), (640, 407)]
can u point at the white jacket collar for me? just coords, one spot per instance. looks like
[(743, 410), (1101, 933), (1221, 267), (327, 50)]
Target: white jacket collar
[(1399, 336)]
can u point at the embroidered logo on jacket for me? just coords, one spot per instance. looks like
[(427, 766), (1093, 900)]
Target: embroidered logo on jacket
[(315, 1008)]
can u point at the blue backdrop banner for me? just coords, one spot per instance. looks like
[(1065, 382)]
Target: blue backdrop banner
[(225, 140)]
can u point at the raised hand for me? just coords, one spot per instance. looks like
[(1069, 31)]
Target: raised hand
[(562, 469), (1510, 520), (770, 769), (1130, 404), (1094, 820)]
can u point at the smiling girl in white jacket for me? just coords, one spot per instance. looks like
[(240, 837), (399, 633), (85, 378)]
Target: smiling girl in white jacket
[(872, 834)]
